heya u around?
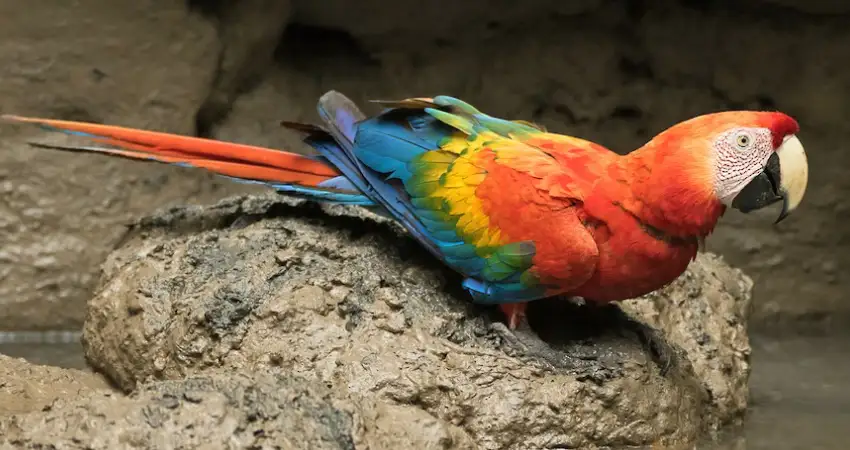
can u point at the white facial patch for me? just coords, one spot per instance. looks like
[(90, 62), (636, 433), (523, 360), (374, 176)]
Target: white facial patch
[(741, 155)]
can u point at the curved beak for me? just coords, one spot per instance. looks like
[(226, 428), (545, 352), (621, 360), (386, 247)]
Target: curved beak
[(784, 178)]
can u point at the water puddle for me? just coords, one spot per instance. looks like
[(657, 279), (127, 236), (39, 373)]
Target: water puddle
[(799, 393), (50, 348)]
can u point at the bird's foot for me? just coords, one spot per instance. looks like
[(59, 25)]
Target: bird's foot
[(666, 356), (522, 342)]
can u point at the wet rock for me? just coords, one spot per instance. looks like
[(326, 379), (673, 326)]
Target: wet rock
[(343, 298), (26, 387), (704, 313), (244, 411)]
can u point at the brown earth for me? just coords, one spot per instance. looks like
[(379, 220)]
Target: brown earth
[(26, 387), (615, 75)]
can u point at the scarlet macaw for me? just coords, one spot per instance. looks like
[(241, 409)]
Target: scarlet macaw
[(521, 212)]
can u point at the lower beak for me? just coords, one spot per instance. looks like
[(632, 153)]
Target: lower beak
[(784, 178)]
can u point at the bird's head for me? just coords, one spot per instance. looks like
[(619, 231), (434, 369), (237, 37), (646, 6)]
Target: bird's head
[(751, 159)]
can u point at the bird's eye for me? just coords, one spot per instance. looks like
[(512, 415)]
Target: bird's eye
[(743, 140)]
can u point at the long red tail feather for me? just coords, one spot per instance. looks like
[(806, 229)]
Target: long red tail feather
[(225, 158)]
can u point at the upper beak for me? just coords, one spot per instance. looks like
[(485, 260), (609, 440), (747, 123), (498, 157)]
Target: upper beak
[(784, 178)]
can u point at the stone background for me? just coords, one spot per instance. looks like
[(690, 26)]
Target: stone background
[(616, 72)]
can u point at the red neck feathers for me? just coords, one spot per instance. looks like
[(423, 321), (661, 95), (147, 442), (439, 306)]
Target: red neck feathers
[(672, 185), (671, 179)]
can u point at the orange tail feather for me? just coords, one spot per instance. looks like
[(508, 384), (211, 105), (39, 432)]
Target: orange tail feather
[(225, 158)]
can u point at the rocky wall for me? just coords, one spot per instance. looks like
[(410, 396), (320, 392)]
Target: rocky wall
[(615, 72)]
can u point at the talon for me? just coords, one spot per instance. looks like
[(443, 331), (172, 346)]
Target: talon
[(509, 337)]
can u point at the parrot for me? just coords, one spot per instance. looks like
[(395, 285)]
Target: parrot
[(520, 212)]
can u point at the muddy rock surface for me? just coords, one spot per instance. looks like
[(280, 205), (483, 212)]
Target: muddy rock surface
[(238, 411), (705, 313), (26, 387), (345, 299)]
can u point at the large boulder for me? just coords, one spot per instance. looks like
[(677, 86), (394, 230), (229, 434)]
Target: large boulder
[(345, 299)]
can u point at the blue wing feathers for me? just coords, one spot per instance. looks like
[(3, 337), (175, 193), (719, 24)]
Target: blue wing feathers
[(341, 115), (379, 155), (495, 293), (326, 194)]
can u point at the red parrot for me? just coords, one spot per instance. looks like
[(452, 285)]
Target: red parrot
[(521, 212)]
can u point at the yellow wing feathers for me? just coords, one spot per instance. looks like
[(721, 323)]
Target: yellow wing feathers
[(454, 173)]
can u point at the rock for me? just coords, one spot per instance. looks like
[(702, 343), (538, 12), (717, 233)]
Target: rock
[(341, 297), (26, 387), (248, 31), (705, 312), (256, 411), (251, 30)]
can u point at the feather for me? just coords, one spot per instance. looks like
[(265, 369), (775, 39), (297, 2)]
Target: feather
[(286, 172)]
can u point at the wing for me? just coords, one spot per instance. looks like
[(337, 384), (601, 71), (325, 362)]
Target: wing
[(435, 156), (566, 166)]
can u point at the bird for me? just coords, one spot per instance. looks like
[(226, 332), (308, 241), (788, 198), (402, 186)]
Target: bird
[(520, 212)]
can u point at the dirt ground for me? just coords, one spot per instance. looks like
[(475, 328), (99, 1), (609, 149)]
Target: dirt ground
[(28, 387), (614, 72)]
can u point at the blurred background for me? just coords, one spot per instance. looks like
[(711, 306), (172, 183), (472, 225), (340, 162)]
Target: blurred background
[(616, 72)]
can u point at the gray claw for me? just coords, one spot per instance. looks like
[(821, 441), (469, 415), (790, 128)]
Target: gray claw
[(525, 344)]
